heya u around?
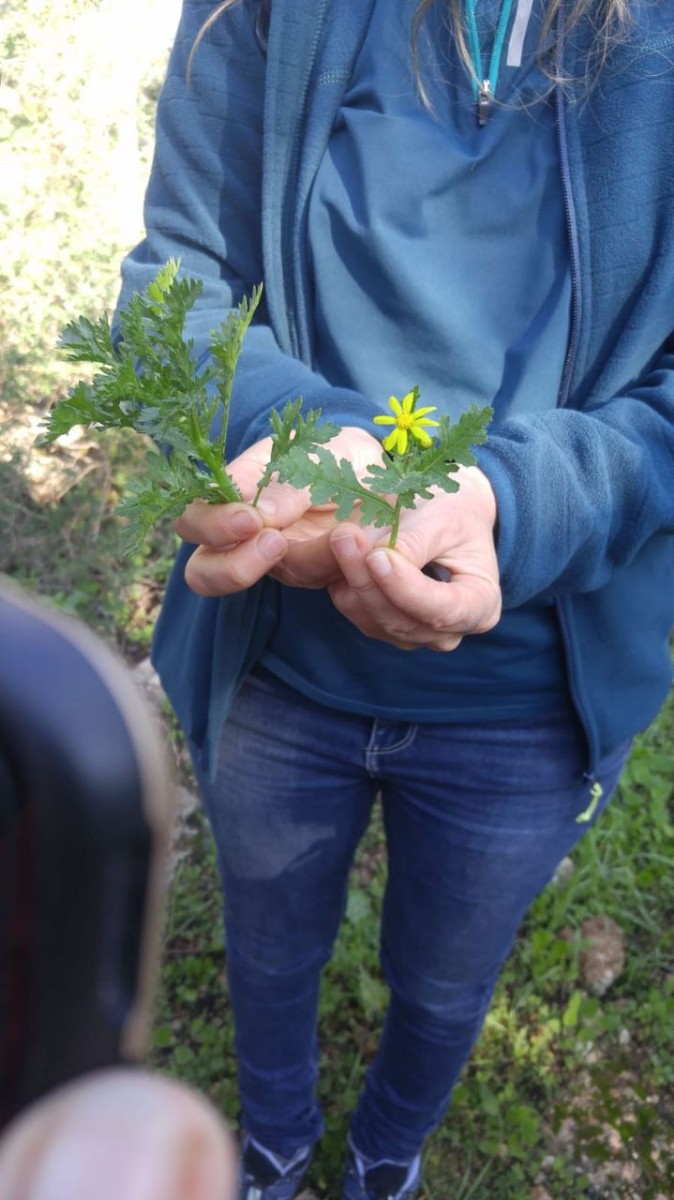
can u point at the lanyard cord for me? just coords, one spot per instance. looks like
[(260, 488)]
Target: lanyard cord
[(484, 89)]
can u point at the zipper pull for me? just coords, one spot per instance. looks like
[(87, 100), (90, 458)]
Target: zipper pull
[(596, 794), (483, 102)]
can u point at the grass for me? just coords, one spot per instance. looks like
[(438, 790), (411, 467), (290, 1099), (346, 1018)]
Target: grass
[(68, 550)]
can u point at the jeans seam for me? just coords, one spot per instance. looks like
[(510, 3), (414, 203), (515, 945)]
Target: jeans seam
[(372, 753)]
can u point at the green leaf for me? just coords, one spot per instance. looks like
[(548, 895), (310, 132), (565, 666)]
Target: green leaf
[(333, 482), (151, 382), (291, 430), (373, 992), (572, 1011), (88, 341), (183, 1056), (410, 476), (358, 907), (163, 1036)]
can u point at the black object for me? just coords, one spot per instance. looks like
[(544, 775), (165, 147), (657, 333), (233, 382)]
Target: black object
[(84, 821)]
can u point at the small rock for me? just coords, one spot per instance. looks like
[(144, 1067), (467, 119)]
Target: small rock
[(588, 1052), (147, 680), (564, 871), (602, 958), (185, 803), (564, 1141)]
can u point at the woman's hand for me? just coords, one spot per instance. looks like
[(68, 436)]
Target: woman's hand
[(387, 596), (283, 535)]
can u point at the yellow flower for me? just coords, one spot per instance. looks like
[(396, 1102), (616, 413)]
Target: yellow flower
[(406, 419)]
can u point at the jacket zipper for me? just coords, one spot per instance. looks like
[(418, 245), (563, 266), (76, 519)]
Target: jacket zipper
[(565, 620), (484, 88), (572, 229), (321, 12)]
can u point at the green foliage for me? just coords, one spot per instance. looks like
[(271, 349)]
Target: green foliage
[(423, 467), (290, 432), (76, 132), (66, 546), (151, 382), (334, 481), (406, 477), (412, 475)]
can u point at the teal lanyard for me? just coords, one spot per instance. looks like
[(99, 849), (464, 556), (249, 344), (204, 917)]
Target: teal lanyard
[(485, 88)]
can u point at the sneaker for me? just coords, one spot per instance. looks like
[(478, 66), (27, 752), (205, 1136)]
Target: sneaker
[(383, 1180), (267, 1176)]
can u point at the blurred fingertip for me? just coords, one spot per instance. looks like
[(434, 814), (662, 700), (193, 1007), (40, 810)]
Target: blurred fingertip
[(380, 564)]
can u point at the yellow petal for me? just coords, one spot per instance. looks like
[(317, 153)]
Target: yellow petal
[(402, 441), (385, 420), (395, 406), (408, 402), (420, 435), (421, 412), (425, 421), (389, 443)]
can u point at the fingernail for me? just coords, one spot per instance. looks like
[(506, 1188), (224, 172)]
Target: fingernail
[(271, 544), (267, 506), (101, 1166), (243, 523), (346, 546), (379, 563)]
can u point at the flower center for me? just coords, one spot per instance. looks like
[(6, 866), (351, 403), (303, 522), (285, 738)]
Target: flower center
[(405, 420)]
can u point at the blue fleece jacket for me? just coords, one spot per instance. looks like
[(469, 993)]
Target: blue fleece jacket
[(585, 492)]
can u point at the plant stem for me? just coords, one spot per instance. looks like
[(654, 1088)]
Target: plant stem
[(395, 523), (229, 490), (258, 493), (210, 456)]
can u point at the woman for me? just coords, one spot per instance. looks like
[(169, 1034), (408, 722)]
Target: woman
[(487, 215)]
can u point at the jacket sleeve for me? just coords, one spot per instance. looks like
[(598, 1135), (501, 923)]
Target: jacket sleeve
[(580, 493), (203, 206)]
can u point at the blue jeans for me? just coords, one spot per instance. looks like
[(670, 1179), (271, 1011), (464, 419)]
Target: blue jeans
[(477, 818)]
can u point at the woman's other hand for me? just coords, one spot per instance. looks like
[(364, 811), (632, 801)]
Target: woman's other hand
[(385, 592)]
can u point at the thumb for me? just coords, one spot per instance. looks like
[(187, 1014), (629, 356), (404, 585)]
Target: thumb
[(279, 504), (119, 1133)]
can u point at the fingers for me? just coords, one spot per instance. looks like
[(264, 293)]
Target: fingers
[(120, 1133), (389, 598), (218, 572), (218, 526), (308, 563), (221, 526), (237, 543), (466, 602)]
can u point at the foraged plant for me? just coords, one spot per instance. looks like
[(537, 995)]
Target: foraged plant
[(411, 467), (151, 382)]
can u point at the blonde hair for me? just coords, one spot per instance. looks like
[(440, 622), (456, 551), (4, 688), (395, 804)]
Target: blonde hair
[(610, 19)]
